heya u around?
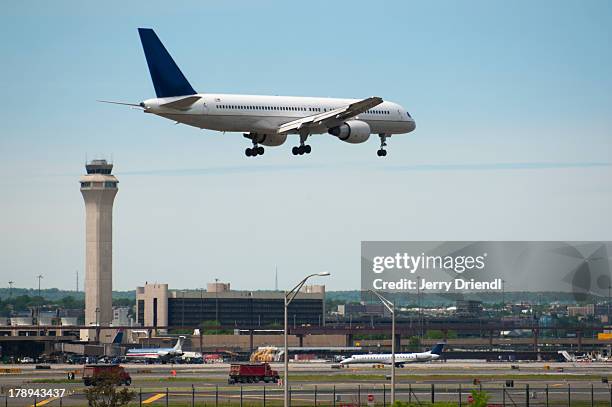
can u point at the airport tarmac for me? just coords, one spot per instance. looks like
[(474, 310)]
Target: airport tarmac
[(310, 381)]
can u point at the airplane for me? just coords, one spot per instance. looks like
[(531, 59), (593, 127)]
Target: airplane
[(157, 353), (400, 358), (265, 120)]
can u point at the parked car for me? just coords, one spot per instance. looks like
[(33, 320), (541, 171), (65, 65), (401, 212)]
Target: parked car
[(76, 360), (92, 374)]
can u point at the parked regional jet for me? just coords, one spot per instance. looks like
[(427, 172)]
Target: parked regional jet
[(265, 120), (400, 358), (157, 353)]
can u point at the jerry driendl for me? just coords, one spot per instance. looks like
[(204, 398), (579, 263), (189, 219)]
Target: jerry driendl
[(424, 284)]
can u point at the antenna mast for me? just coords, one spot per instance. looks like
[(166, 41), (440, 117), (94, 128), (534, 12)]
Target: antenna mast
[(275, 278)]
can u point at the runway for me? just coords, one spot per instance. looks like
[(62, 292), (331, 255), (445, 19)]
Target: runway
[(310, 382)]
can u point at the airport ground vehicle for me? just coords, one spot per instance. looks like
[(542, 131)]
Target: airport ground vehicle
[(94, 373), (252, 373), (27, 359)]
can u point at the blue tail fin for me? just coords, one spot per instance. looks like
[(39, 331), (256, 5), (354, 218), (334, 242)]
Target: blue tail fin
[(168, 79), (437, 350), (118, 337)]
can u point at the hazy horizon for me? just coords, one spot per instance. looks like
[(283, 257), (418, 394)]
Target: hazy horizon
[(512, 102)]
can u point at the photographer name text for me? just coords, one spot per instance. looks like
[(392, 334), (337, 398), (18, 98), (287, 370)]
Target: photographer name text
[(424, 284)]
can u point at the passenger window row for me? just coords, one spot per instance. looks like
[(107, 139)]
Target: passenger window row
[(291, 108), (285, 108)]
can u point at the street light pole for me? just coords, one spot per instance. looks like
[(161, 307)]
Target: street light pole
[(419, 302), (39, 277), (289, 296), (389, 305)]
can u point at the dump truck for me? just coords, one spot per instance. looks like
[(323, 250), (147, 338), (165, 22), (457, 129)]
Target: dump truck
[(252, 373), (92, 374)]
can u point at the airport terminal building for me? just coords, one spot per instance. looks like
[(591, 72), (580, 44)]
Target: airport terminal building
[(156, 305)]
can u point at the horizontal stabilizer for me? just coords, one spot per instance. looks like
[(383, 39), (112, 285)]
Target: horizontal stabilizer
[(139, 105), (182, 104)]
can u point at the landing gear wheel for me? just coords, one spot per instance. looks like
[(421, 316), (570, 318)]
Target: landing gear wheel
[(301, 150), (383, 143), (254, 152)]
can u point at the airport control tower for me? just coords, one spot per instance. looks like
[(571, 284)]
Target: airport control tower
[(99, 188)]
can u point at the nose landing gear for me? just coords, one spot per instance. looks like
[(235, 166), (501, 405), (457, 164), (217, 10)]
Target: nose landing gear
[(383, 143)]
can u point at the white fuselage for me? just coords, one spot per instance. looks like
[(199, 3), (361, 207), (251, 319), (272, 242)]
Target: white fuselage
[(265, 114), (385, 358), (152, 353)]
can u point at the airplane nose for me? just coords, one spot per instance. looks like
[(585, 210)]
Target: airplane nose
[(411, 125)]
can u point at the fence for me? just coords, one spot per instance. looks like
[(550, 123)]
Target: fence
[(595, 395)]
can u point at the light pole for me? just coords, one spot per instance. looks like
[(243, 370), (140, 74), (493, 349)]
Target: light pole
[(39, 277), (419, 278), (11, 289), (389, 305), (289, 296)]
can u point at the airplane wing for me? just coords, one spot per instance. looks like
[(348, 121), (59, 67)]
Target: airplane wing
[(331, 118)]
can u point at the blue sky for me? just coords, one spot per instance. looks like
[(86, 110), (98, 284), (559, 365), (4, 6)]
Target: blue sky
[(513, 104)]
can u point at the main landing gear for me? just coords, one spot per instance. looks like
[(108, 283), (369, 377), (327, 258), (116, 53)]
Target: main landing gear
[(383, 143), (255, 151), (302, 148)]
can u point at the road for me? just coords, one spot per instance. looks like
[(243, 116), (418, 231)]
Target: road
[(154, 384)]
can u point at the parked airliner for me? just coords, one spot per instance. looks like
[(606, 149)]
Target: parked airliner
[(265, 120), (400, 358), (157, 353)]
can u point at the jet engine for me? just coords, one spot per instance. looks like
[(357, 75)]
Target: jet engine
[(270, 140), (353, 131)]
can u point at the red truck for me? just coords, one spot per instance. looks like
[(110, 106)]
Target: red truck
[(94, 373), (252, 373)]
